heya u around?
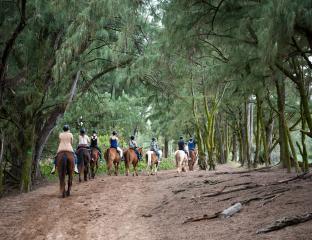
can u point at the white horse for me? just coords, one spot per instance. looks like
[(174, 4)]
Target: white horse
[(152, 160), (181, 160)]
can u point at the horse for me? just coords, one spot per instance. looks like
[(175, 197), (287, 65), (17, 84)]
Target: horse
[(94, 163), (151, 159), (65, 163), (192, 159), (131, 157), (84, 158), (181, 159), (112, 157)]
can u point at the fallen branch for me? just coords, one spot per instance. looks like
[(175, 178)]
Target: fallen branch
[(204, 217), (285, 222), (178, 191), (228, 212)]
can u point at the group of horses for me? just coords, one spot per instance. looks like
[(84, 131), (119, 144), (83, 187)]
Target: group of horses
[(88, 163)]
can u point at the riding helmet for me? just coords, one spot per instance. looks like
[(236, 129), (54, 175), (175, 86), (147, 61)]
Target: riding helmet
[(94, 132), (132, 137), (114, 133), (82, 131), (153, 139), (191, 139), (65, 128), (181, 137)]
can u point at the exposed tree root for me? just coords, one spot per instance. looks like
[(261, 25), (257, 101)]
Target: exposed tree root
[(285, 222), (220, 192), (263, 169)]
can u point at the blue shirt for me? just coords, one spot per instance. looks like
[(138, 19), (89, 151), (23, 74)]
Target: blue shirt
[(113, 143), (191, 145)]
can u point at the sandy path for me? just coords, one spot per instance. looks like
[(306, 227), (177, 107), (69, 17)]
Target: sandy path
[(151, 208)]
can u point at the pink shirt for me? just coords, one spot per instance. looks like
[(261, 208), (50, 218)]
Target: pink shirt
[(66, 140)]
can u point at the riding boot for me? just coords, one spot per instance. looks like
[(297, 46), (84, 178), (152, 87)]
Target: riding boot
[(53, 169), (76, 169)]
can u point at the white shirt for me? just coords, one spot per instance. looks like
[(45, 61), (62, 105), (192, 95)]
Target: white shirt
[(84, 140)]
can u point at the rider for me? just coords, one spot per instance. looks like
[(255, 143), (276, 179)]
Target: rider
[(94, 143), (154, 147), (133, 145), (191, 144), (113, 140), (66, 141), (181, 145), (84, 140)]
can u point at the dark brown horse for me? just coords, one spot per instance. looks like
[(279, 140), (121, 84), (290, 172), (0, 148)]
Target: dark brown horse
[(84, 158), (65, 166), (112, 157), (94, 163), (131, 157), (192, 159)]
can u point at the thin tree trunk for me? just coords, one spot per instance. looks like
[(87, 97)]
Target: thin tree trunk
[(1, 164), (166, 149), (269, 136), (235, 147), (256, 158)]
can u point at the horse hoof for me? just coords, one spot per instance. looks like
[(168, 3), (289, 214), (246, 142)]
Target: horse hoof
[(64, 195)]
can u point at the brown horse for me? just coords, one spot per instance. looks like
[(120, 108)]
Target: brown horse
[(112, 157), (84, 158), (192, 159), (152, 160), (65, 166), (131, 157), (94, 163)]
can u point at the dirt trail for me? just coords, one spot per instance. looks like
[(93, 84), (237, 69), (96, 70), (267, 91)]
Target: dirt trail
[(154, 207)]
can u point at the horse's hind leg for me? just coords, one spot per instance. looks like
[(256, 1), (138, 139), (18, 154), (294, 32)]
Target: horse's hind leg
[(116, 168), (70, 182), (135, 171)]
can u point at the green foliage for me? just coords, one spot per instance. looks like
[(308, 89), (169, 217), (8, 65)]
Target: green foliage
[(166, 164)]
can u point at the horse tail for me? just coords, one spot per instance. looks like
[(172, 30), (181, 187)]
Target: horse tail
[(64, 164), (80, 157), (149, 158)]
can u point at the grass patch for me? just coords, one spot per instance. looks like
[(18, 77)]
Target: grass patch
[(166, 164)]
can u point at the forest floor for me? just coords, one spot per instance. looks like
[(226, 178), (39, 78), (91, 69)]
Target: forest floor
[(156, 207)]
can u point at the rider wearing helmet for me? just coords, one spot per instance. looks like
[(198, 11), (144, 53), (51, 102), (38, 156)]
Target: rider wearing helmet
[(94, 142), (66, 141), (84, 140), (181, 145), (133, 145), (191, 144), (154, 147), (113, 141)]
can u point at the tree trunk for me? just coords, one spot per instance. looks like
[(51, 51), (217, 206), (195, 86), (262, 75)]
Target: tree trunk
[(284, 150), (235, 147), (304, 153), (1, 162), (26, 139), (269, 136), (249, 131), (256, 157), (166, 149), (293, 150)]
